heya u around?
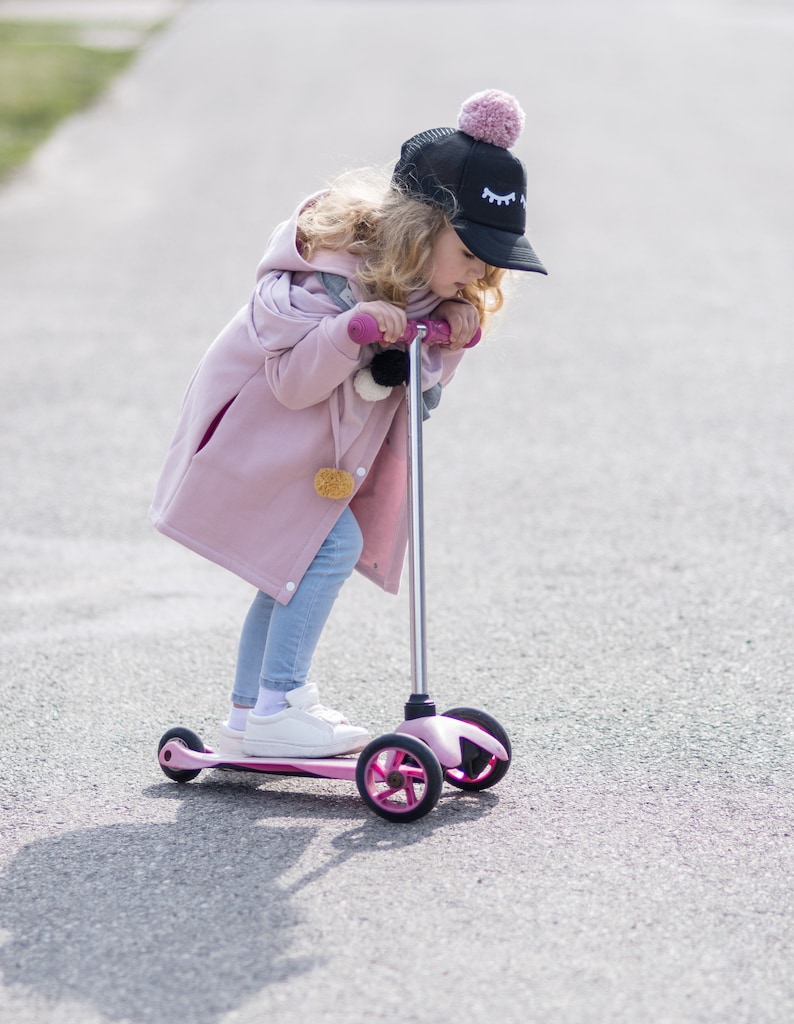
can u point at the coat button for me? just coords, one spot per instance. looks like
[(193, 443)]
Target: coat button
[(361, 471), (290, 586)]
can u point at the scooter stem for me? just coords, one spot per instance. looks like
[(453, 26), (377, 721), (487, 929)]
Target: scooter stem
[(419, 705)]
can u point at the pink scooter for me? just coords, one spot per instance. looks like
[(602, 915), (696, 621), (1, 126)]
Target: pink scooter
[(400, 774)]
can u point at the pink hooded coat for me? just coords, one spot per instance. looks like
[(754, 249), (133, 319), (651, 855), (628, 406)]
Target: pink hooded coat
[(273, 401)]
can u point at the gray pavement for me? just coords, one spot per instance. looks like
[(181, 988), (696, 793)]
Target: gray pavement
[(609, 490)]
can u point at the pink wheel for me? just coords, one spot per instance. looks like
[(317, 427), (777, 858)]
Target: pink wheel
[(399, 777)]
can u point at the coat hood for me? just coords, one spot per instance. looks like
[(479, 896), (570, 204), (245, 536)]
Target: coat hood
[(281, 252)]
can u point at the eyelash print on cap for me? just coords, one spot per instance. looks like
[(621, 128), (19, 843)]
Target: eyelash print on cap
[(492, 197)]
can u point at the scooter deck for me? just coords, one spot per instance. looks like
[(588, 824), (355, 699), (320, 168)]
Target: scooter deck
[(178, 757)]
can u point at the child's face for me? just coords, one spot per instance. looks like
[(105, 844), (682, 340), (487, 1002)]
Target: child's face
[(454, 266)]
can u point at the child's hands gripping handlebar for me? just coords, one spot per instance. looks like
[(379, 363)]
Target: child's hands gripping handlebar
[(363, 329)]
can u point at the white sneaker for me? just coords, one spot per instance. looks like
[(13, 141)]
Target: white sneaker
[(230, 742), (305, 729)]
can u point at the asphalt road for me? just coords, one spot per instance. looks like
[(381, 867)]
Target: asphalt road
[(609, 533)]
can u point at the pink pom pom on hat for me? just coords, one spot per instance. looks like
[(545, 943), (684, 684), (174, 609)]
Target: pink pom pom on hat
[(492, 116), (471, 174)]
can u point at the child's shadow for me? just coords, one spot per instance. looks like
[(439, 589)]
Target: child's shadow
[(138, 920), (187, 918)]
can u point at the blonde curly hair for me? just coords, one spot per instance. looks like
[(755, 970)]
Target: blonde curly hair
[(393, 233)]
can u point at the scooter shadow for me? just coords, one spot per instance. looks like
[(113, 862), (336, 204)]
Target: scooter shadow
[(286, 798), (189, 918)]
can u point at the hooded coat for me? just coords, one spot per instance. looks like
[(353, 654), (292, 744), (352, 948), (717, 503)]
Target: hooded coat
[(270, 404)]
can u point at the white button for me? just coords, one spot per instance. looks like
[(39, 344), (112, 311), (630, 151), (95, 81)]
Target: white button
[(290, 586), (361, 471)]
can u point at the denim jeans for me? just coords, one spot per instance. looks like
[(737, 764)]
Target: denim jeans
[(278, 641)]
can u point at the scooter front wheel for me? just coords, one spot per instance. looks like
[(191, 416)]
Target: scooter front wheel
[(188, 739), (478, 769), (399, 777)]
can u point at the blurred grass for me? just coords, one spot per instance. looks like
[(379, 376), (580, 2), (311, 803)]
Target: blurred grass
[(46, 73)]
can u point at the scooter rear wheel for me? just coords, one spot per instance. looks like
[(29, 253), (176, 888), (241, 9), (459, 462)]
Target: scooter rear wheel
[(479, 769), (399, 777), (188, 739)]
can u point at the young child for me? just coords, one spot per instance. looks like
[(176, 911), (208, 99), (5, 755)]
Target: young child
[(288, 464)]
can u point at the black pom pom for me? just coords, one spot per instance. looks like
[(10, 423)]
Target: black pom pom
[(390, 368)]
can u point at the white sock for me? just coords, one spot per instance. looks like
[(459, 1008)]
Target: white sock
[(270, 702), (237, 718)]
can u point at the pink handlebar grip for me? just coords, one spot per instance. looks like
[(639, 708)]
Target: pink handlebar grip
[(363, 329)]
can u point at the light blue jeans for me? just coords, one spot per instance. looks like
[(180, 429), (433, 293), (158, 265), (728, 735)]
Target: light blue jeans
[(278, 641)]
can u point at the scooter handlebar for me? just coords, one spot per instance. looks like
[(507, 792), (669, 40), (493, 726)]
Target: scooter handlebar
[(363, 329)]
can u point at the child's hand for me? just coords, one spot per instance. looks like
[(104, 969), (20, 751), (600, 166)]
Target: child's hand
[(462, 319), (391, 320)]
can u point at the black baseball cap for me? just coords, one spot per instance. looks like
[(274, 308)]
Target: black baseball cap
[(479, 182)]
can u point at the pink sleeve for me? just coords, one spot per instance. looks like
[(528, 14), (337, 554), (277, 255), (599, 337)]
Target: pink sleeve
[(308, 353)]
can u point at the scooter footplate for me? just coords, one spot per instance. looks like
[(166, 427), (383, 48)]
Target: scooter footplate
[(178, 757)]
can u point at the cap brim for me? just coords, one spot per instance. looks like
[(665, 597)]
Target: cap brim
[(499, 248)]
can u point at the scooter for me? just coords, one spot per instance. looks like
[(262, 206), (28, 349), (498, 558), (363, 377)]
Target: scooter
[(399, 775)]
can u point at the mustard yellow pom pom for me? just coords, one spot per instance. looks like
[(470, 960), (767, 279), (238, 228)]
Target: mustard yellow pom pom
[(333, 483)]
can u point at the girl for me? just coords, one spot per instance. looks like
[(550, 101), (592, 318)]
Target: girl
[(288, 465)]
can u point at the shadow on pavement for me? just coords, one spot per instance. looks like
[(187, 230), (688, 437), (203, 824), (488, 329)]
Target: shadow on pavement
[(191, 917)]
